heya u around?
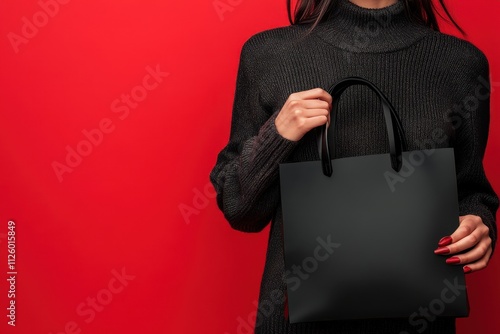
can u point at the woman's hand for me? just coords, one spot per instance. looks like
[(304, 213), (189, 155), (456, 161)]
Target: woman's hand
[(303, 111), (472, 234)]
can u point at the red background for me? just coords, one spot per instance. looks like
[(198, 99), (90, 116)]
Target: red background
[(120, 207)]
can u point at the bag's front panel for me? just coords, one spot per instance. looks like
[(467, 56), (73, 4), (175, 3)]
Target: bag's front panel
[(360, 244)]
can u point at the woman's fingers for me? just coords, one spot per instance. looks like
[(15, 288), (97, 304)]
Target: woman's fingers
[(473, 255), (303, 111), (470, 232), (479, 264), (471, 235), (308, 104), (315, 93), (312, 122), (468, 224), (464, 243)]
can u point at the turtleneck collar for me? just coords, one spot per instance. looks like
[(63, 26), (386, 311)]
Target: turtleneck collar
[(359, 29)]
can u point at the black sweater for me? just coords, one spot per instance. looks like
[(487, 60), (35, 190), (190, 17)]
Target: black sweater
[(435, 81)]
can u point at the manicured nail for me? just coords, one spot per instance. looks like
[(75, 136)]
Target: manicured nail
[(467, 269), (442, 250), (453, 260), (444, 241)]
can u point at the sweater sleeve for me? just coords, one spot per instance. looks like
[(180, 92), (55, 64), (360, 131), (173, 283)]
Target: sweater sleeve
[(476, 195), (246, 173)]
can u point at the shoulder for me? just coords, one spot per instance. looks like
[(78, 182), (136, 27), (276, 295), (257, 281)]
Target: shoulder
[(460, 66), (266, 44), (461, 54)]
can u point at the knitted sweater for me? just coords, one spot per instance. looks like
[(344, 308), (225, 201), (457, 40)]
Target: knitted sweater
[(438, 84)]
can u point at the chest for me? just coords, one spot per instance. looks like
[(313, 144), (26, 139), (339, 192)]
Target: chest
[(421, 95)]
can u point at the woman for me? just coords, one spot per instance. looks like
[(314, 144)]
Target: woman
[(436, 82)]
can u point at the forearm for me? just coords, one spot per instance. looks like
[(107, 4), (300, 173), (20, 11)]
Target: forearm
[(247, 184)]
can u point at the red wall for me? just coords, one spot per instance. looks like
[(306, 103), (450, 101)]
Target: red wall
[(101, 244)]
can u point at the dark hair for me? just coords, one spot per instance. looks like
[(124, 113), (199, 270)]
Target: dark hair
[(316, 11)]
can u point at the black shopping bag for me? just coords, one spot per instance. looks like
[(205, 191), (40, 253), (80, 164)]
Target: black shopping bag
[(359, 232)]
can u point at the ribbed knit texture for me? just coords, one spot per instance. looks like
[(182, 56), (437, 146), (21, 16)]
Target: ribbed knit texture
[(437, 83)]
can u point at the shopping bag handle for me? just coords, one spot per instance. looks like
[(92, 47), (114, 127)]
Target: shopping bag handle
[(397, 141)]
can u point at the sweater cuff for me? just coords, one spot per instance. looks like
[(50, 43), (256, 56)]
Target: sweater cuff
[(268, 149), (269, 129), (278, 147)]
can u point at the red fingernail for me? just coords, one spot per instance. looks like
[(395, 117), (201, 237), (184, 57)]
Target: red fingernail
[(467, 269), (444, 241), (453, 260), (442, 250)]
